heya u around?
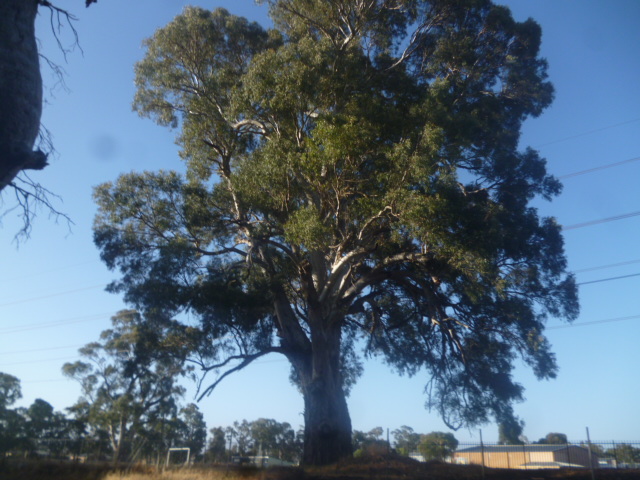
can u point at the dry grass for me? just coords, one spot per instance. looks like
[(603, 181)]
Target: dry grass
[(210, 473), (49, 470), (182, 474), (384, 467)]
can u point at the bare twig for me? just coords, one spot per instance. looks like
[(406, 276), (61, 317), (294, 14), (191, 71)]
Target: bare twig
[(30, 197), (57, 20)]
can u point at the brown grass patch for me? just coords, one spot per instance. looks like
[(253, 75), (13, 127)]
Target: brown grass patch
[(382, 467), (50, 470)]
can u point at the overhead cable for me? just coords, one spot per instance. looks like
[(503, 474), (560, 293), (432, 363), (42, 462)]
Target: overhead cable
[(26, 300), (601, 220), (69, 321), (595, 169), (39, 361), (608, 279), (602, 267), (35, 350), (595, 322), (587, 133)]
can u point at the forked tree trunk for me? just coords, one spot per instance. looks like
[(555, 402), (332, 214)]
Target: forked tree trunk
[(327, 430)]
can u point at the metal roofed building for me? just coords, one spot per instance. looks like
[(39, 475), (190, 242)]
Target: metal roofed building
[(527, 456)]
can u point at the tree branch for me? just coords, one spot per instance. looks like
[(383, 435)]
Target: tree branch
[(30, 196), (378, 273), (246, 361)]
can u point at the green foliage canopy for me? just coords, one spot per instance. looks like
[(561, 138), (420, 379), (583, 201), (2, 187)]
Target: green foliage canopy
[(11, 423), (510, 432), (127, 391), (624, 453), (554, 438), (353, 179), (10, 390), (437, 445), (193, 429), (406, 440), (217, 448)]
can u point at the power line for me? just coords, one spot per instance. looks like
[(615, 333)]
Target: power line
[(601, 167), (52, 295), (44, 272), (610, 265), (578, 135), (610, 278), (26, 362), (38, 361), (37, 326), (37, 350), (556, 327), (595, 322), (601, 220), (46, 381)]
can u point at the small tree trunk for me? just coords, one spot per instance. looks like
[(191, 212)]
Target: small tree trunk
[(327, 431), (117, 453)]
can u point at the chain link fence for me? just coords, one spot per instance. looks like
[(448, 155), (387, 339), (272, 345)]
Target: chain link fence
[(582, 454)]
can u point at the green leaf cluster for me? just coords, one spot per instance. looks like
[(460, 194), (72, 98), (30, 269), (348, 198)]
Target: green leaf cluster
[(437, 445)]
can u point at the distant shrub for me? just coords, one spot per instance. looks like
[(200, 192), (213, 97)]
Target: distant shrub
[(372, 448)]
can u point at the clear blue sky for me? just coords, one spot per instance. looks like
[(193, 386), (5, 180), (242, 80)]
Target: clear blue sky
[(52, 298)]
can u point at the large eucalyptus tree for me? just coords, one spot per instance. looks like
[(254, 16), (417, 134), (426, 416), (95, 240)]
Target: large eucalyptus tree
[(353, 183)]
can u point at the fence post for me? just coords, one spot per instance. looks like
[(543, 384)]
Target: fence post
[(482, 453), (593, 475), (615, 453), (388, 443)]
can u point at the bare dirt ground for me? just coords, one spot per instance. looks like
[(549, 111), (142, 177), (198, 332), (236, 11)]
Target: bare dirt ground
[(376, 468)]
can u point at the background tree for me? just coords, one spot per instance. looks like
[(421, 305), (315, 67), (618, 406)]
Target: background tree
[(126, 389), (624, 453), (12, 425), (193, 430), (241, 432), (47, 429), (37, 428), (10, 390), (554, 438), (358, 438), (353, 180), (376, 433), (275, 439), (595, 449), (406, 440), (437, 445), (217, 448), (87, 437), (510, 431), (369, 443)]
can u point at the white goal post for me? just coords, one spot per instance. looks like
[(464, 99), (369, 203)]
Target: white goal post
[(186, 449)]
